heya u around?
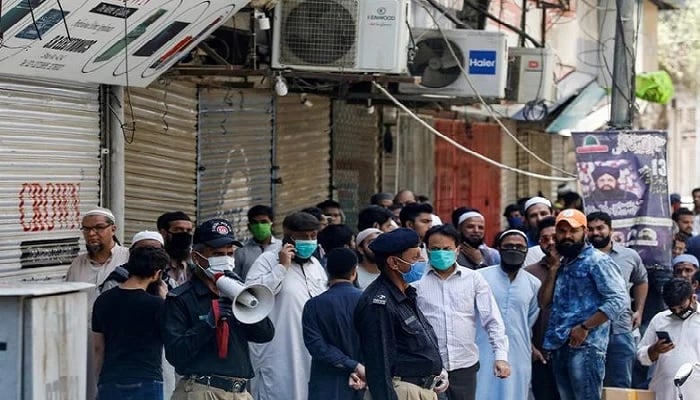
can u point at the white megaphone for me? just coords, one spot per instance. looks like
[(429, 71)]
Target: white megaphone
[(251, 304)]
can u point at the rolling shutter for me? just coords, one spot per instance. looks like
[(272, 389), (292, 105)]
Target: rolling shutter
[(161, 156), (50, 168), (235, 154)]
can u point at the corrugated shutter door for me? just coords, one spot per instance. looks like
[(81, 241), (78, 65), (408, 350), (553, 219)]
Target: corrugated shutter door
[(302, 153), (161, 159), (235, 153), (50, 168), (355, 157)]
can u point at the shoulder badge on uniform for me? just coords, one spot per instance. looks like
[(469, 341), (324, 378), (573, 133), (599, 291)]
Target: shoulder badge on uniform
[(379, 299)]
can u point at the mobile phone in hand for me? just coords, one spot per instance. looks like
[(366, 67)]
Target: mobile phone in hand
[(663, 335)]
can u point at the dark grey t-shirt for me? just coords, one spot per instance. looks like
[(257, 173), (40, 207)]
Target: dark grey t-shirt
[(633, 273)]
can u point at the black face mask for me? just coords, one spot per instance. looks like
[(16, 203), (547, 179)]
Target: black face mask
[(599, 242), (512, 259), (569, 249), (687, 312), (472, 242), (178, 247)]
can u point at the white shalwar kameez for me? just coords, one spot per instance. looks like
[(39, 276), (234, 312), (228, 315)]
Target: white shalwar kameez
[(282, 366)]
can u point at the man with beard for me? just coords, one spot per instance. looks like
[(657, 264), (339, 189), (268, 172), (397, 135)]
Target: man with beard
[(103, 255), (605, 179), (515, 292), (473, 252), (586, 293), (683, 217), (543, 385), (367, 269), (176, 228), (621, 351), (536, 209)]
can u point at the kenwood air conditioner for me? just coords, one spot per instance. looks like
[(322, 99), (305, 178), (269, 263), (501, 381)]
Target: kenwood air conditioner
[(530, 75), (482, 54), (341, 35)]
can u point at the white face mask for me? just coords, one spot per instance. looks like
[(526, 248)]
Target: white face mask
[(219, 265)]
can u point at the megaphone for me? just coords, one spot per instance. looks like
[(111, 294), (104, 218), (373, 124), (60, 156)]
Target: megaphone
[(251, 304)]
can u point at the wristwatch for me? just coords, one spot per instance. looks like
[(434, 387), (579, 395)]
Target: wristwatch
[(584, 327)]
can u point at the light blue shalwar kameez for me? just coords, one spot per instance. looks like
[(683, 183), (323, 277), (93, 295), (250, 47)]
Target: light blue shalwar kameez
[(517, 302)]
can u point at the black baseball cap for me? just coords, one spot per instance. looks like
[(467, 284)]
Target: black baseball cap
[(215, 233)]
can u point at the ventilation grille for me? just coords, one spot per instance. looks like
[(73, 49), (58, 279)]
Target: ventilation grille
[(319, 32)]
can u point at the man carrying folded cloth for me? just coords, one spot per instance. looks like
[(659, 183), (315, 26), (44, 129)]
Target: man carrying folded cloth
[(203, 340), (400, 349)]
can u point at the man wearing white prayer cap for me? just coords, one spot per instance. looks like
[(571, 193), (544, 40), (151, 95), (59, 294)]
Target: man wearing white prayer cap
[(473, 252), (536, 209), (103, 255)]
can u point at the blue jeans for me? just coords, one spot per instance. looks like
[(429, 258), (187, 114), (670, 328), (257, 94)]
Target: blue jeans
[(579, 372), (131, 389), (619, 360)]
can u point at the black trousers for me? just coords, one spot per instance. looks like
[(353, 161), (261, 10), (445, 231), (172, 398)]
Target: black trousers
[(543, 385), (462, 383)]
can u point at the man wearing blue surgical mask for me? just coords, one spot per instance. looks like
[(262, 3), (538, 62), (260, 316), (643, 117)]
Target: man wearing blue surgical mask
[(419, 218), (294, 275), (452, 296), (203, 340)]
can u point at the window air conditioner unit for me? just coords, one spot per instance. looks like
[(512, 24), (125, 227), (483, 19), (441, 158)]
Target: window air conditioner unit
[(364, 36), (530, 75), (481, 53)]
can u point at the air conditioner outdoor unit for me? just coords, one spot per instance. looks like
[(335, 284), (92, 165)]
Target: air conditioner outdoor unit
[(341, 35), (530, 75), (481, 53)]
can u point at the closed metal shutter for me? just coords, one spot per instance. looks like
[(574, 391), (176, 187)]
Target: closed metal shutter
[(355, 157), (235, 154), (416, 145), (50, 168), (302, 145), (161, 157)]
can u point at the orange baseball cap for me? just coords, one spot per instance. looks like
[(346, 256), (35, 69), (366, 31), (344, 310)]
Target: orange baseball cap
[(573, 217)]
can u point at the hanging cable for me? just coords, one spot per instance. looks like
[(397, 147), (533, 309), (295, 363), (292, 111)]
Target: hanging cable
[(31, 11), (63, 17), (494, 18), (488, 106), (464, 149), (127, 126)]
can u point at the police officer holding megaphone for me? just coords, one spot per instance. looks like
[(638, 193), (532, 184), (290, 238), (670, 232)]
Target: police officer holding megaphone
[(209, 320)]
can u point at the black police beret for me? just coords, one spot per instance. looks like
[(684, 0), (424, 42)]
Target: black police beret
[(394, 242)]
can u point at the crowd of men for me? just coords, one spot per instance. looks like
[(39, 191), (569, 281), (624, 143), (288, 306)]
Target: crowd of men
[(401, 306)]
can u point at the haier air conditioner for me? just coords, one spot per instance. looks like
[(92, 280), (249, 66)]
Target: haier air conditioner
[(530, 75), (482, 55), (367, 36)]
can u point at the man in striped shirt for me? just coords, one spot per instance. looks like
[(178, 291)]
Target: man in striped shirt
[(451, 296)]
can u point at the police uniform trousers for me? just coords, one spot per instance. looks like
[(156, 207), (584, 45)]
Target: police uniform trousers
[(408, 391), (187, 389)]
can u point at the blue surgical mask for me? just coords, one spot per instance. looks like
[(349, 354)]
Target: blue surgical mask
[(415, 272), (305, 248), (442, 260)]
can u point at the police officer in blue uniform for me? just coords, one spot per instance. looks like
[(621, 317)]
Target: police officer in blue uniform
[(399, 347)]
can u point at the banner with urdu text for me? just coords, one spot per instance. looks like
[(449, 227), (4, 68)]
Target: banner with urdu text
[(624, 174)]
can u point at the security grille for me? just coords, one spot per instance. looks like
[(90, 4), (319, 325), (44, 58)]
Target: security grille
[(319, 32)]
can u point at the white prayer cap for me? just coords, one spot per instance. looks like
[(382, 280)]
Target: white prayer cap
[(537, 200), (148, 235), (363, 235), (104, 212), (469, 214)]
